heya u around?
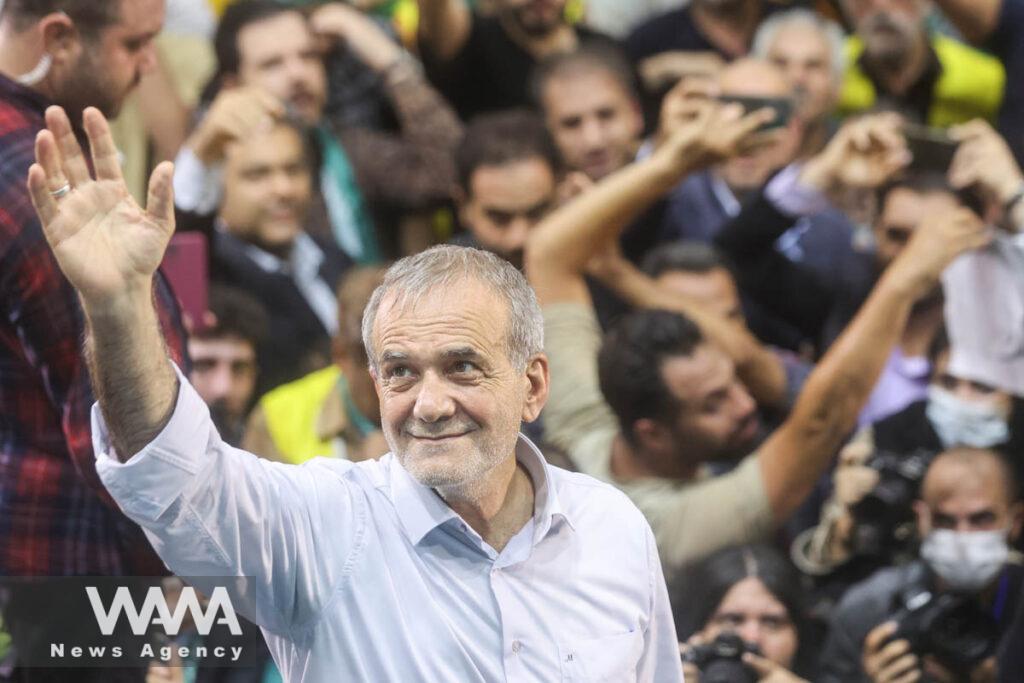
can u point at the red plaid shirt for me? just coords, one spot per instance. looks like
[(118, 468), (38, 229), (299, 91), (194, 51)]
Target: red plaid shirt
[(56, 519)]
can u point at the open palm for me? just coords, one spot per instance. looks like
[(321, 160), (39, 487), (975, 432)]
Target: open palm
[(104, 242)]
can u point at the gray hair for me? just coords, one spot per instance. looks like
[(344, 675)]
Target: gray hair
[(833, 34), (443, 266)]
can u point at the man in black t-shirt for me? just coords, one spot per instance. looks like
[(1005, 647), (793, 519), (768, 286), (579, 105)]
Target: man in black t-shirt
[(483, 63), (694, 40)]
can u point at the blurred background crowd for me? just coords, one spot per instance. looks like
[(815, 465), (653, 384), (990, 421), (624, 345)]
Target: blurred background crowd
[(737, 215)]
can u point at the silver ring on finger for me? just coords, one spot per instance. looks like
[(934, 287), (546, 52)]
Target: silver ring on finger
[(61, 191)]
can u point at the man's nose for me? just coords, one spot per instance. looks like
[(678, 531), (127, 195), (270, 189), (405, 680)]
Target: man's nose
[(593, 133), (744, 402), (220, 381), (433, 403), (148, 59)]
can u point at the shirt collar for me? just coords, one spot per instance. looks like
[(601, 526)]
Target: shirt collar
[(305, 257), (421, 510), (22, 96)]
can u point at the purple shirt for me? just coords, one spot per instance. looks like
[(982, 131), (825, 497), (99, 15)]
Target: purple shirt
[(903, 381)]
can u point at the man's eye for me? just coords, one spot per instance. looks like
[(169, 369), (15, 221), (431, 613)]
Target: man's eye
[(399, 372), (463, 367)]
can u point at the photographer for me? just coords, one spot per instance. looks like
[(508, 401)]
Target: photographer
[(958, 412), (942, 616), (751, 593)]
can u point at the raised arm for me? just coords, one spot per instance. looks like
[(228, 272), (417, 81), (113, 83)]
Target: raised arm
[(444, 27), (200, 501), (414, 168), (761, 370), (109, 249), (561, 246), (976, 19), (797, 454)]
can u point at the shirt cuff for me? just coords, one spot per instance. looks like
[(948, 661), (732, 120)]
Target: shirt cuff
[(789, 196), (152, 479), (196, 186)]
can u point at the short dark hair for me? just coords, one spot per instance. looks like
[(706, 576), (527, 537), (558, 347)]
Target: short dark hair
[(236, 17), (90, 16), (502, 138), (687, 256), (238, 313), (697, 593), (918, 182), (629, 365), (603, 57)]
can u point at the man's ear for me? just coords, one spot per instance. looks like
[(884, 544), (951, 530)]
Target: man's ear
[(60, 36), (924, 518), (651, 435), (463, 206), (538, 381), (1016, 520), (376, 382)]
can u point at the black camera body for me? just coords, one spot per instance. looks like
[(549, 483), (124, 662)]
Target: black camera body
[(721, 660), (951, 627), (884, 518)]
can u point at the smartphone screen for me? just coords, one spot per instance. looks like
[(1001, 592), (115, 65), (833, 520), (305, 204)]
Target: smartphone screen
[(931, 149), (782, 106), (185, 267)]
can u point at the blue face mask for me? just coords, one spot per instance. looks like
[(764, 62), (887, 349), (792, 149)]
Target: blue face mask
[(960, 423)]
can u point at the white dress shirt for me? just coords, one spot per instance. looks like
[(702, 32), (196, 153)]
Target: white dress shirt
[(357, 572)]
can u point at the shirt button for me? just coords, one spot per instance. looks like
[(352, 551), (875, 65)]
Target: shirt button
[(516, 646)]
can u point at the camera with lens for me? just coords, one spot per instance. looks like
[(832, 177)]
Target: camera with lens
[(721, 660), (884, 523), (951, 627)]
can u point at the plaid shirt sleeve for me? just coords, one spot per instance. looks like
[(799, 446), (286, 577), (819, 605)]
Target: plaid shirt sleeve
[(46, 395)]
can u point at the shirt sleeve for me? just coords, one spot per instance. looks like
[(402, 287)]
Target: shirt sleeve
[(197, 187), (414, 169), (698, 519), (660, 659), (211, 510), (575, 407)]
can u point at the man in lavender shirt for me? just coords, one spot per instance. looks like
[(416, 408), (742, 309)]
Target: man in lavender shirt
[(459, 556)]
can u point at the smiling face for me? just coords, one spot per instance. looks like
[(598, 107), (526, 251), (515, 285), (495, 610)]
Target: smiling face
[(279, 55), (451, 401), (267, 189), (595, 122)]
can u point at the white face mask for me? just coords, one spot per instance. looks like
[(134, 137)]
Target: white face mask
[(966, 560), (38, 73), (962, 423)]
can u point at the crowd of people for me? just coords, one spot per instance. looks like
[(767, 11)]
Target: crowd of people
[(776, 299)]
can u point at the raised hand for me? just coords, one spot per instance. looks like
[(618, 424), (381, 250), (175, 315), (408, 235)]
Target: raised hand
[(699, 132), (362, 35), (105, 243), (889, 661), (983, 159), (236, 114), (865, 153)]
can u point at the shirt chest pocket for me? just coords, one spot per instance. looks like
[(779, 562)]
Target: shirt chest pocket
[(610, 658)]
